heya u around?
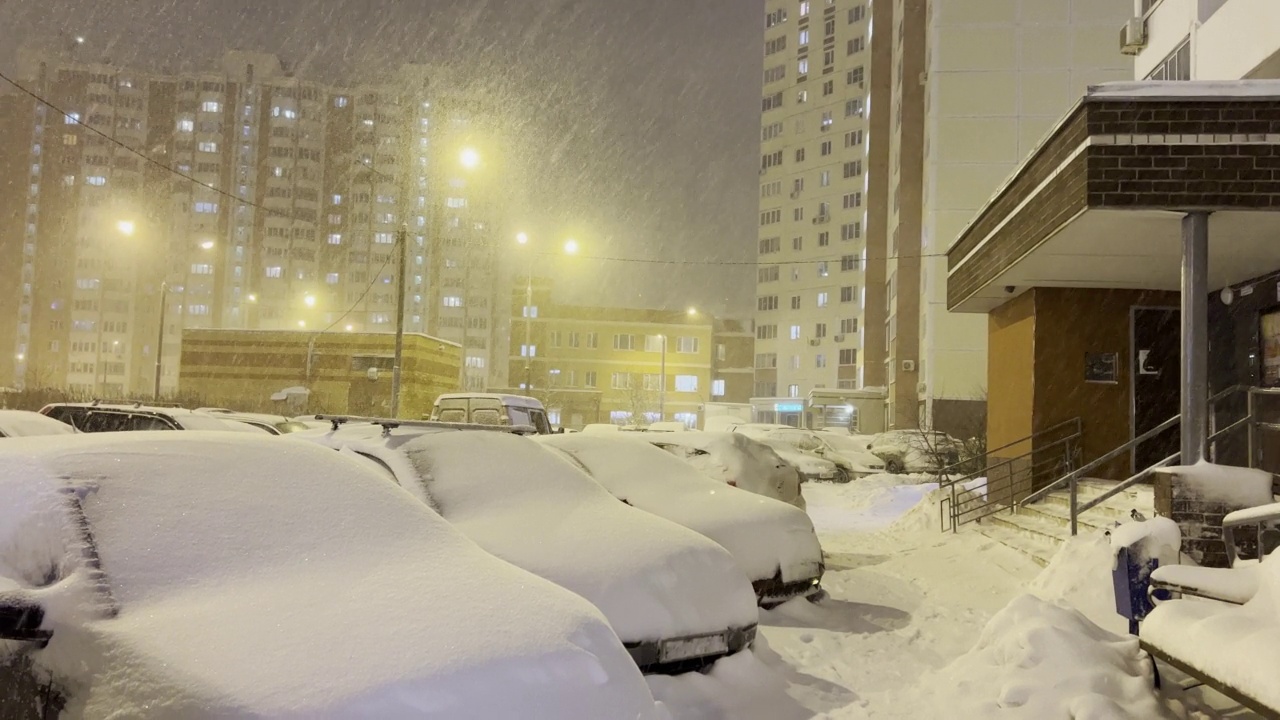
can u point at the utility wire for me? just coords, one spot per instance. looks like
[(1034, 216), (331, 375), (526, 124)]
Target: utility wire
[(367, 166)]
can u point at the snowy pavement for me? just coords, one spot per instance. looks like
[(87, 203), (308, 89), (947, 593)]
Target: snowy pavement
[(905, 600)]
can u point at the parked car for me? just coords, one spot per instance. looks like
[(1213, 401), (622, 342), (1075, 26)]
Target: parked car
[(916, 451), (812, 467), (492, 409), (774, 543), (739, 461), (119, 417), (24, 423), (859, 463), (667, 426), (273, 424), (194, 575), (678, 600)]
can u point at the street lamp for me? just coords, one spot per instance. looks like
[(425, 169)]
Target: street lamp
[(309, 301), (469, 158), (126, 227), (662, 382), (571, 246), (206, 245)]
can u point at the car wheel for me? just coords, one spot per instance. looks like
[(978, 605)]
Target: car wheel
[(843, 476), (895, 467)]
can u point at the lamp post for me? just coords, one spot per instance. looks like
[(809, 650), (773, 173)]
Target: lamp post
[(662, 382), (570, 248), (402, 240)]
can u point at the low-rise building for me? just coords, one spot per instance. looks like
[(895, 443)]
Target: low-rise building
[(612, 365), (296, 372)]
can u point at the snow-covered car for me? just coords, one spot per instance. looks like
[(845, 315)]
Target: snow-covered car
[(676, 599), (193, 575), (737, 460), (774, 543), (97, 417), (812, 468), (23, 423), (916, 451), (842, 450), (271, 424)]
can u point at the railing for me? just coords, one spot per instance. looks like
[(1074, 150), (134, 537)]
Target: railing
[(972, 496)]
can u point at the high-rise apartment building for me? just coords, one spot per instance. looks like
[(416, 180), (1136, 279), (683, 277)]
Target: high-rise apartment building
[(974, 87), (247, 197), (811, 276)]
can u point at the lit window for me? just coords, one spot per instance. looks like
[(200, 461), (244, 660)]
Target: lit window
[(72, 118), (275, 271), (823, 298), (455, 202), (528, 351), (335, 239), (717, 388), (95, 180), (186, 125), (530, 311), (208, 146), (384, 238), (202, 269), (331, 278), (795, 332), (206, 207), (452, 301), (211, 106), (340, 101), (686, 383), (687, 345)]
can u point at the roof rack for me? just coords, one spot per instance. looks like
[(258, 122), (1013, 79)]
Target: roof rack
[(389, 424)]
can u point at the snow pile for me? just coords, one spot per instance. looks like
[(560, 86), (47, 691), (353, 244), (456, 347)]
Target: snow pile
[(740, 687), (1235, 486), (1038, 660), (652, 578), (319, 589), (926, 514), (1157, 539), (1080, 576), (1237, 645), (762, 534), (21, 423)]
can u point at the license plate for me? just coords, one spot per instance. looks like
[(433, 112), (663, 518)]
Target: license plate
[(685, 648)]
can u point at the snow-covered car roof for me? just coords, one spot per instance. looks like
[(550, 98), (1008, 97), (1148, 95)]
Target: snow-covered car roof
[(187, 419), (652, 578), (23, 423), (767, 537), (279, 423), (258, 577), (735, 458)]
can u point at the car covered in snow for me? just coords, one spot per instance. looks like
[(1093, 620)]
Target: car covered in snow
[(95, 417), (492, 409), (737, 460), (846, 455), (676, 599), (270, 424), (185, 575), (917, 451), (24, 423), (774, 543)]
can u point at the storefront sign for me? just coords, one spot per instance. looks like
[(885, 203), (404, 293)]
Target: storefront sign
[(789, 407)]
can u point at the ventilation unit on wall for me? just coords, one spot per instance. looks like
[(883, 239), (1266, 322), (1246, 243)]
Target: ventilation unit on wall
[(1133, 36), (908, 366)]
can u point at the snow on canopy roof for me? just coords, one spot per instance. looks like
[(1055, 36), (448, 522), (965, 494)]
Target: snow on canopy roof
[(1185, 89), (762, 534), (320, 588), (22, 423), (533, 508)]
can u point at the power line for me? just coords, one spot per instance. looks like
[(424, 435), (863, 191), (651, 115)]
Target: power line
[(370, 168)]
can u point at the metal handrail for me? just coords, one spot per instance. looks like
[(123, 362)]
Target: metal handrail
[(961, 513), (1041, 433), (1006, 461), (1099, 462), (1077, 509)]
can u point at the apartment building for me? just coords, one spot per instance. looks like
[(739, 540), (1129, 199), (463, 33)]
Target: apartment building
[(616, 365), (265, 201), (812, 252), (975, 86), (1203, 39)]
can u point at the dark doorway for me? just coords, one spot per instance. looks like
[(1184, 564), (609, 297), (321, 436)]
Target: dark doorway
[(1157, 381)]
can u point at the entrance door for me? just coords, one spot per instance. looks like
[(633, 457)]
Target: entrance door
[(1156, 381)]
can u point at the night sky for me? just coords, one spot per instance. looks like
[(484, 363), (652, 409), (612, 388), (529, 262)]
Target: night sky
[(640, 118)]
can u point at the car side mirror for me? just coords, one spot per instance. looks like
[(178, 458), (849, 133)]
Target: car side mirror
[(20, 620)]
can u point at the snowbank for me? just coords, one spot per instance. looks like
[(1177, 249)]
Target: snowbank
[(21, 423), (740, 687), (1238, 645), (1157, 539), (1039, 661)]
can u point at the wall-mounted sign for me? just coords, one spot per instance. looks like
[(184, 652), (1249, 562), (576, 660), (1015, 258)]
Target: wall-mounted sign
[(1102, 367), (789, 407)]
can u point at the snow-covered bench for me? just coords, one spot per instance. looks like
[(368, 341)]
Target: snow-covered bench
[(1236, 584)]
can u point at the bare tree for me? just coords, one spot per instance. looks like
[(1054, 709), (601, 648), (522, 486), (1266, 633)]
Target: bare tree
[(640, 400)]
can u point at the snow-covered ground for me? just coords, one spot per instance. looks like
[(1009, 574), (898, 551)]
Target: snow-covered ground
[(907, 631)]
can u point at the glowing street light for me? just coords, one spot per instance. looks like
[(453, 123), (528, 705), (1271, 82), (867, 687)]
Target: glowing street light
[(571, 246), (302, 323), (470, 158), (252, 297), (21, 357), (522, 238), (693, 311), (351, 328), (206, 245), (126, 227), (309, 301)]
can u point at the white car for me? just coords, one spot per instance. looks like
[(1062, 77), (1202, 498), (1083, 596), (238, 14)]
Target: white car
[(843, 451), (271, 424), (678, 600), (774, 543), (916, 451), (811, 467), (737, 460), (23, 423), (202, 575)]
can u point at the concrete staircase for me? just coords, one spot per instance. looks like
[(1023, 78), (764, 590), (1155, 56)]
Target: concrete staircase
[(1038, 530)]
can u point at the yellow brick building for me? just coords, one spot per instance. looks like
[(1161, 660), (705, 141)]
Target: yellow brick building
[(345, 373)]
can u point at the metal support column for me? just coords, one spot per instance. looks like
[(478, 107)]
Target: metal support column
[(402, 266), (1195, 335)]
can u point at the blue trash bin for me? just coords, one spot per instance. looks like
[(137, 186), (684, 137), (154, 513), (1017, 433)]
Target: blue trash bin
[(1131, 581)]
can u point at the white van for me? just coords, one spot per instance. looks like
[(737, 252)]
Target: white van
[(491, 409)]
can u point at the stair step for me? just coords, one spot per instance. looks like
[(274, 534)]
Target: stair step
[(1115, 508), (1038, 552), (1042, 531), (1060, 517)]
